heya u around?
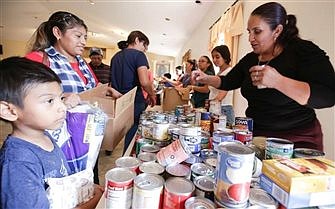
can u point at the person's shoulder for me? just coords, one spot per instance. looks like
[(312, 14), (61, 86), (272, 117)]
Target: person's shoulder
[(18, 150), (304, 47)]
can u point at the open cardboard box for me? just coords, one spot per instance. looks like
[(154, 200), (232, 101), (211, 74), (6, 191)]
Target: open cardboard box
[(172, 98), (120, 113)]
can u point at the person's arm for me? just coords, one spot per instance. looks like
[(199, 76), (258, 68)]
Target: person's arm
[(221, 95), (201, 89), (201, 77), (170, 81), (147, 84)]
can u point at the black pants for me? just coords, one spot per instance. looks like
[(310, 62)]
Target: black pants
[(96, 171)]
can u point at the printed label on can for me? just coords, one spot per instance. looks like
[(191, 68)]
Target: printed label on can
[(174, 153), (277, 148)]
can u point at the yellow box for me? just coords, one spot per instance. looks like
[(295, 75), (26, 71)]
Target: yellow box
[(301, 175)]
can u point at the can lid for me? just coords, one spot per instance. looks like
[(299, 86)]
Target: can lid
[(261, 197), (199, 203), (148, 181), (151, 167), (120, 175), (305, 152), (204, 183), (239, 149), (278, 140), (127, 162), (150, 148), (178, 170), (202, 169), (179, 185), (212, 161), (147, 156)]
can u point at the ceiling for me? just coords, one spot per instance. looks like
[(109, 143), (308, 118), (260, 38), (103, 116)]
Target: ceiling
[(110, 21)]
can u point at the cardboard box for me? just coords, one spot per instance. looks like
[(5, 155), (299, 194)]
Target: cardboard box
[(301, 175), (296, 200), (172, 98), (120, 113)]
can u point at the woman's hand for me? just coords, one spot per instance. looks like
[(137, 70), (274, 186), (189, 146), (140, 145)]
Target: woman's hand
[(151, 100), (199, 76), (112, 92), (71, 100), (264, 76)]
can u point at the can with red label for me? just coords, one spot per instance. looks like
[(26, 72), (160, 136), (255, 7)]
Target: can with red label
[(128, 162), (243, 136), (234, 171), (176, 191), (174, 153), (119, 188), (148, 191)]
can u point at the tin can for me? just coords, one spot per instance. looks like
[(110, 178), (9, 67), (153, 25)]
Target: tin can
[(212, 161), (162, 144), (193, 142), (206, 121), (179, 110), (198, 112), (119, 188), (187, 109), (215, 107), (182, 119), (277, 148), (220, 205), (192, 159), (140, 142), (128, 162), (204, 187), (234, 171), (178, 170), (189, 130), (148, 191), (198, 203), (174, 153), (261, 198), (151, 148), (221, 136), (244, 123), (206, 153), (190, 118), (152, 167), (147, 157), (204, 138), (171, 130), (176, 191), (243, 136), (307, 153), (201, 169), (160, 130)]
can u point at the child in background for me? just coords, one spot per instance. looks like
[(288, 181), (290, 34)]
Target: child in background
[(31, 99)]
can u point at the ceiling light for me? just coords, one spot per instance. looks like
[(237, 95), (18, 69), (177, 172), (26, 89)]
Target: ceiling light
[(198, 2), (91, 2), (164, 34), (167, 19)]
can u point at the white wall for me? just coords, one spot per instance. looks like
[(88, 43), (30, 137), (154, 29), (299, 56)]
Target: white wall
[(315, 20)]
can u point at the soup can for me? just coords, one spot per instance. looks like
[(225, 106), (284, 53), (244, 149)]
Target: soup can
[(128, 162), (243, 136), (206, 153), (307, 153), (193, 142), (119, 188), (147, 157), (234, 171), (221, 136), (277, 148), (201, 169), (178, 170), (176, 191), (199, 203), (160, 130), (140, 142), (152, 167), (148, 191), (179, 110), (152, 148), (260, 197), (174, 153), (192, 159), (212, 161), (204, 187), (244, 123)]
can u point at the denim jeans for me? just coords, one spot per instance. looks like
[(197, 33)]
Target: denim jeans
[(229, 112)]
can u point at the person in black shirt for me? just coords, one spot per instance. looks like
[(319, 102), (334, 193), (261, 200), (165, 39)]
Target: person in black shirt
[(284, 78)]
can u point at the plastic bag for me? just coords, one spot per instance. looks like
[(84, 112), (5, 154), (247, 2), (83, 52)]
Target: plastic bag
[(81, 136)]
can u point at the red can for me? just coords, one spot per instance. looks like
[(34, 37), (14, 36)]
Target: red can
[(176, 191), (243, 136)]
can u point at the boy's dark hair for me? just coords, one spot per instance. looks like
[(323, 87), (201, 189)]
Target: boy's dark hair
[(18, 75)]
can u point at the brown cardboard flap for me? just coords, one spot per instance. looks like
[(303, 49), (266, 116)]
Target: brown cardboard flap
[(172, 98), (125, 101)]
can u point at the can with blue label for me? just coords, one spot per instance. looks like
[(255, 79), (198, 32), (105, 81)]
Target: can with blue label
[(234, 172), (277, 148), (244, 123)]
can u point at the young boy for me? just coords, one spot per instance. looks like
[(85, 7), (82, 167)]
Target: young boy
[(31, 99)]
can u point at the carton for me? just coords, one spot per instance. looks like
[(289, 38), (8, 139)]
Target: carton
[(297, 200), (120, 113), (172, 98), (301, 175)]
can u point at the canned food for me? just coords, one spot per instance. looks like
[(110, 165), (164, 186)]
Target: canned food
[(261, 198), (176, 191), (119, 188), (221, 136), (189, 130), (187, 108), (204, 187), (174, 153), (277, 148), (201, 169), (147, 157), (234, 171), (178, 170), (140, 142), (244, 123), (190, 118), (206, 153), (128, 162), (204, 136), (212, 161), (193, 142), (199, 202), (179, 110), (307, 153), (243, 136), (192, 159), (148, 191), (152, 148), (152, 167)]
